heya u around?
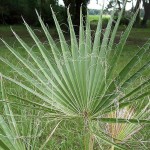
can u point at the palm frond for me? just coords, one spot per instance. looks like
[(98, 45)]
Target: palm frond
[(79, 79)]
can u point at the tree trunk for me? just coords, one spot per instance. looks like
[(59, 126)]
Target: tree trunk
[(146, 5), (70, 4), (137, 21), (76, 21), (119, 4), (75, 11)]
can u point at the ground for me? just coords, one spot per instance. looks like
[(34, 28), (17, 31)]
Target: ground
[(136, 39)]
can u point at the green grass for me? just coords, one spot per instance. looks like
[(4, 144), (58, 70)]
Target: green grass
[(69, 139), (95, 17), (136, 39), (7, 35)]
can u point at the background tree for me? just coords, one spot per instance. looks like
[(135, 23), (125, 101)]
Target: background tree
[(75, 10), (146, 5), (11, 11), (137, 21), (119, 3), (30, 11)]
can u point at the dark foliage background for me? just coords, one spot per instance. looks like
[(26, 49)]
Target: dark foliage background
[(12, 10)]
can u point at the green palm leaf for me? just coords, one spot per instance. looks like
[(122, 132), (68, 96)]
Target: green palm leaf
[(79, 79)]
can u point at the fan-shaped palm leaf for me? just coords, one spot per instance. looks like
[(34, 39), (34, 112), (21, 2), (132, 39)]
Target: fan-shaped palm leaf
[(23, 132), (79, 79)]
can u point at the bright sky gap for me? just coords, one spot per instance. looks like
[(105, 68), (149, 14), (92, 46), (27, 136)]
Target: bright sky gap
[(93, 4)]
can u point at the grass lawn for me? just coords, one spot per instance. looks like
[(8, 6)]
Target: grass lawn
[(95, 17), (67, 138), (136, 39)]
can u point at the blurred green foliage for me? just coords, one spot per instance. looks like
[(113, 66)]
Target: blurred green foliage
[(11, 11)]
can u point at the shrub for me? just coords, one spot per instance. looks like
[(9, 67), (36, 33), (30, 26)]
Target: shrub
[(80, 80)]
